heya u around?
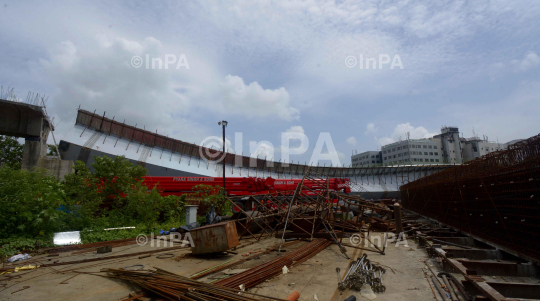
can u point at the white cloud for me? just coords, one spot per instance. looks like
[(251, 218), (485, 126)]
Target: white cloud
[(385, 140), (293, 142), (370, 128), (262, 150), (296, 129), (100, 76), (351, 140), (530, 61), (499, 69), (253, 101), (401, 131)]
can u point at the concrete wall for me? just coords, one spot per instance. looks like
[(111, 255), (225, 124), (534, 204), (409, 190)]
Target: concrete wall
[(56, 167), (73, 152)]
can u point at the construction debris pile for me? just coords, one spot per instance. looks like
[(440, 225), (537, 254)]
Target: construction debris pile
[(362, 272), (175, 287), (312, 212), (274, 267)]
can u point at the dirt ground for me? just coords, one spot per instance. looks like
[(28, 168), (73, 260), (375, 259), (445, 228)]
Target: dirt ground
[(404, 279)]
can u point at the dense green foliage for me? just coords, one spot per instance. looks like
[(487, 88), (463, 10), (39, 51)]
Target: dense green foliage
[(11, 152), (29, 201), (35, 205), (28, 216), (114, 196), (213, 195), (11, 247)]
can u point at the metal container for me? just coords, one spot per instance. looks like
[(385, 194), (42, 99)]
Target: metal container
[(214, 238)]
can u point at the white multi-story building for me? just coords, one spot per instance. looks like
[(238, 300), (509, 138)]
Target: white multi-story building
[(450, 145), (475, 147), (420, 151), (366, 159), (444, 148)]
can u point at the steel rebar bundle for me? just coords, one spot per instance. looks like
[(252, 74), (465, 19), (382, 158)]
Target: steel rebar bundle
[(272, 268), (175, 287)]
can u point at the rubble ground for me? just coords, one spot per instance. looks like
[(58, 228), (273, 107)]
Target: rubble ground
[(403, 279)]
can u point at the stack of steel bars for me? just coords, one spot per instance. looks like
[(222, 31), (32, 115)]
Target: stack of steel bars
[(272, 268), (174, 287)]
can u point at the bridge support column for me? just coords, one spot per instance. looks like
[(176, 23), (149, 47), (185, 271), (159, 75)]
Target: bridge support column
[(30, 122), (35, 147)]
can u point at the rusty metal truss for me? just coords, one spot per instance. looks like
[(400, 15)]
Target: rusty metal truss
[(495, 198)]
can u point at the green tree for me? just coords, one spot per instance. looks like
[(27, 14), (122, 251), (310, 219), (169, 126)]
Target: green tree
[(114, 195), (11, 152), (29, 202), (213, 195), (106, 189)]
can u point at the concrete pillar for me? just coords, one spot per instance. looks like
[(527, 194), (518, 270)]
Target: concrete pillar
[(35, 147)]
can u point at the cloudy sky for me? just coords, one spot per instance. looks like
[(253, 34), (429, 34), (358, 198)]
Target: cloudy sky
[(269, 67)]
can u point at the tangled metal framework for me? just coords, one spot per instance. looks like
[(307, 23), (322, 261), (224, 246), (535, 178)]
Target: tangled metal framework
[(495, 198), (311, 212)]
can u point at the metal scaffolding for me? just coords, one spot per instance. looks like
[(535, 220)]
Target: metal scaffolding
[(495, 198)]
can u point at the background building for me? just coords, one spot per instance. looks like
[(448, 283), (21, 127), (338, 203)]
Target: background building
[(366, 159), (444, 148), (450, 145), (421, 151), (475, 147)]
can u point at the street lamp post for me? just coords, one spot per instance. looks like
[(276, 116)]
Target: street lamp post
[(223, 124)]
